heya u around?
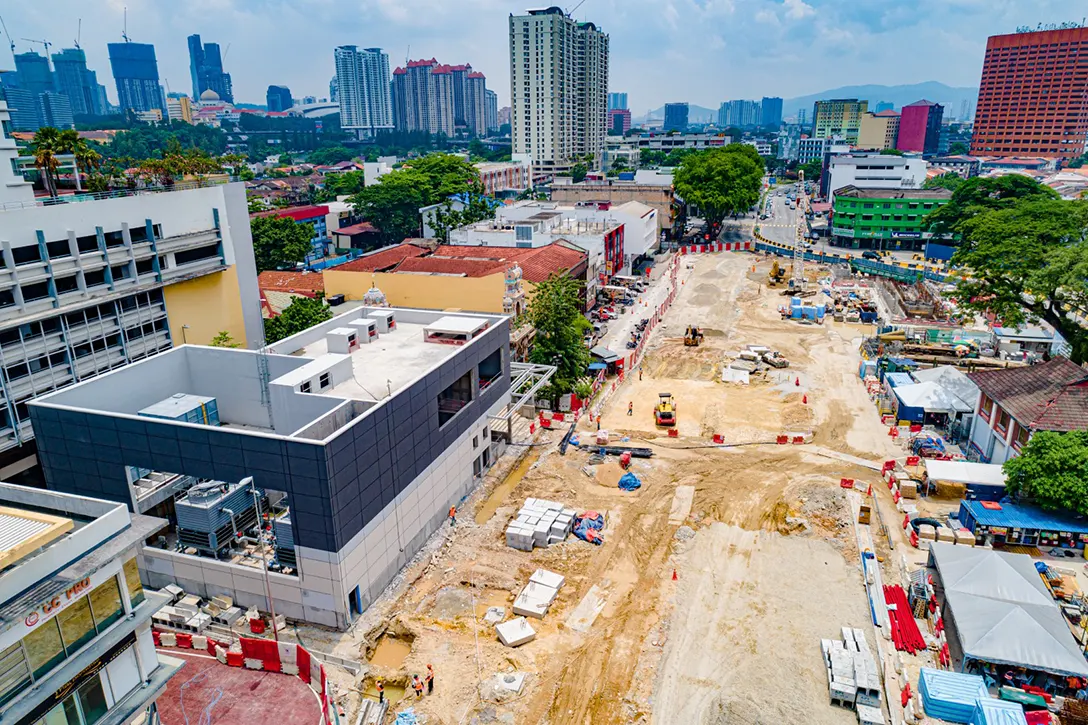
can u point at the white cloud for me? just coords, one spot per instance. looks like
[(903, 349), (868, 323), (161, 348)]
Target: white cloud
[(798, 9)]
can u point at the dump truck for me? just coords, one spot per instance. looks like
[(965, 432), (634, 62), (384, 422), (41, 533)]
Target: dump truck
[(693, 336), (665, 411)]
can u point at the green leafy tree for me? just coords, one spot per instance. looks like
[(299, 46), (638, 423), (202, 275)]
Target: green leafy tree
[(812, 169), (1052, 470), (46, 148), (979, 194), (279, 241), (891, 152), (345, 184), (578, 173), (720, 181), (555, 310), (224, 339), (958, 148), (1028, 261), (302, 314), (392, 206), (478, 208), (950, 181), (330, 155)]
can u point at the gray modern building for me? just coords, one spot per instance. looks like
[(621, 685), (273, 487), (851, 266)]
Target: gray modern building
[(357, 434), (206, 70), (75, 622), (74, 80), (676, 117), (771, 111), (279, 98), (137, 75)]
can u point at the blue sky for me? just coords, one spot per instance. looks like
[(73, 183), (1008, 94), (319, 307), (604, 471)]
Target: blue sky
[(701, 51)]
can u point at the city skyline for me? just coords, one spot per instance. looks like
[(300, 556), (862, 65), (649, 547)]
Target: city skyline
[(279, 43)]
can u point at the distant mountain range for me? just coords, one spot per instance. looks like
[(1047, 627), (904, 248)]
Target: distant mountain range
[(949, 97)]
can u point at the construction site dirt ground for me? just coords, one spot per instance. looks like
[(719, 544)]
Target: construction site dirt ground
[(712, 615)]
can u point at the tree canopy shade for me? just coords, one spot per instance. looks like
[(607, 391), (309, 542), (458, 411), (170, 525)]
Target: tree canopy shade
[(330, 155), (555, 310), (950, 181), (392, 205), (813, 169), (1052, 470), (978, 194), (1027, 260), (303, 313), (720, 181), (279, 241)]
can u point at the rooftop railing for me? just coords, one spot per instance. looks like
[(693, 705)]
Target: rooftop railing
[(79, 197)]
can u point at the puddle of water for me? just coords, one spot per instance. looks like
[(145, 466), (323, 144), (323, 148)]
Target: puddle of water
[(487, 510), (390, 652), (393, 693)]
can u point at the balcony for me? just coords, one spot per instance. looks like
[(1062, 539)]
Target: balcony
[(210, 264), (39, 382), (94, 329), (141, 316), (187, 241), (34, 347), (148, 344)]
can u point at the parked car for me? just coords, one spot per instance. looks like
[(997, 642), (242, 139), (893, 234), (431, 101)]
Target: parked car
[(870, 254)]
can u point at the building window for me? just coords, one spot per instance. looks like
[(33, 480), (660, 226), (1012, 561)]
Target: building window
[(1020, 437), (454, 398), (490, 369), (323, 381), (14, 672), (44, 648), (92, 700), (76, 625), (475, 442), (66, 713), (985, 408), (132, 581), (1002, 422), (106, 603), (305, 387)]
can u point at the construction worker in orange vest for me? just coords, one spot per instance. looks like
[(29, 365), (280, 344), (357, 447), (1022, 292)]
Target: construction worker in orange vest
[(380, 687), (430, 679), (453, 515), (417, 685)]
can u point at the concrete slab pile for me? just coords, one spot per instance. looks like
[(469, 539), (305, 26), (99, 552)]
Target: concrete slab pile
[(853, 680), (535, 598), (516, 632), (539, 523)]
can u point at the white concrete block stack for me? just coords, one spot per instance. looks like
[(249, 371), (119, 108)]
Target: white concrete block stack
[(539, 523), (853, 680), (535, 598), (516, 632)]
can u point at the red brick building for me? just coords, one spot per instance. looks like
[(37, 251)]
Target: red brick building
[(1033, 97)]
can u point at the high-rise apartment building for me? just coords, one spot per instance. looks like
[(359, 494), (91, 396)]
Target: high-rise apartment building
[(676, 117), (423, 97), (55, 110), (740, 114), (558, 89), (74, 80), (33, 72), (22, 109), (206, 70), (838, 117), (1031, 99), (619, 121), (362, 81), (617, 101), (492, 118), (88, 287), (136, 73), (771, 112), (334, 91), (878, 131), (279, 98), (920, 127)]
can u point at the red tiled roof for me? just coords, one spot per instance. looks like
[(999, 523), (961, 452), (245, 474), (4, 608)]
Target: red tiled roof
[(885, 114), (452, 266), (352, 230), (400, 71), (291, 281), (1049, 396), (422, 63), (475, 74), (464, 66), (383, 259)]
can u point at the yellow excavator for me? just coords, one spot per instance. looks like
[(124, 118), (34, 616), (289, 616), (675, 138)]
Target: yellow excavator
[(778, 273), (693, 336)]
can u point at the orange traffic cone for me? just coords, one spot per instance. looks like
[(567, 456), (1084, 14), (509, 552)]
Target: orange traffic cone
[(797, 382), (804, 399), (674, 574)]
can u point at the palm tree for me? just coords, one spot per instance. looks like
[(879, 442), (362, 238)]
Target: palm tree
[(85, 157), (46, 147)]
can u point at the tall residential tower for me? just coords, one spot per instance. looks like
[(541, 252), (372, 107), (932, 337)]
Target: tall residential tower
[(558, 89), (362, 81), (137, 75), (206, 70)]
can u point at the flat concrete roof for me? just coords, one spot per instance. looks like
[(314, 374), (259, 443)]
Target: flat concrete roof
[(388, 364)]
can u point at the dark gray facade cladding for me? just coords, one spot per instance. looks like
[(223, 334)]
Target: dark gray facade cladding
[(334, 489)]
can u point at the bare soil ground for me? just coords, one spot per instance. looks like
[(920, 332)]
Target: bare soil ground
[(765, 564)]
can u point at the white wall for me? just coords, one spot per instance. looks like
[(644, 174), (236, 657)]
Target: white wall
[(877, 172)]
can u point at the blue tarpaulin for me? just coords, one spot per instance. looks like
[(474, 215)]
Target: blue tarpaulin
[(950, 696), (991, 711), (629, 482), (587, 527)]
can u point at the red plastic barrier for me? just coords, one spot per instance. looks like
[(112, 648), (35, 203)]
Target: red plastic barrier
[(798, 440), (782, 440), (302, 659), (912, 460), (156, 636), (271, 666), (719, 438), (888, 466), (846, 483), (1037, 717), (256, 626), (212, 645), (234, 659), (673, 433), (558, 417), (185, 640), (915, 428)]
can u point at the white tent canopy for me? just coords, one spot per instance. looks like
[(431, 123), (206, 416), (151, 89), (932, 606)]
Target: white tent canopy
[(1002, 611), (930, 397), (965, 472), (952, 380)]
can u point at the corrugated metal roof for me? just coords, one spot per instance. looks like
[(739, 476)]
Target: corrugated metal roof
[(1024, 517), (14, 530)]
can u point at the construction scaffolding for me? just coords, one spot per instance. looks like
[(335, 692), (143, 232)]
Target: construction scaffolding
[(526, 380)]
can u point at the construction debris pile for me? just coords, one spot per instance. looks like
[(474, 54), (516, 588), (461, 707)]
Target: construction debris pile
[(852, 676), (751, 360), (852, 303), (539, 523)]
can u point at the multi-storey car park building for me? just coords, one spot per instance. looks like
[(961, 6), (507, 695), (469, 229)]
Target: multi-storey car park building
[(75, 635), (1031, 98), (89, 283), (353, 437), (559, 90)]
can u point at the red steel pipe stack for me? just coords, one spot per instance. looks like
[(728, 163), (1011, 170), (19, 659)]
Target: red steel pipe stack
[(905, 633)]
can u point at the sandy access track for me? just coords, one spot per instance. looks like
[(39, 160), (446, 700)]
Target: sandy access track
[(765, 563)]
